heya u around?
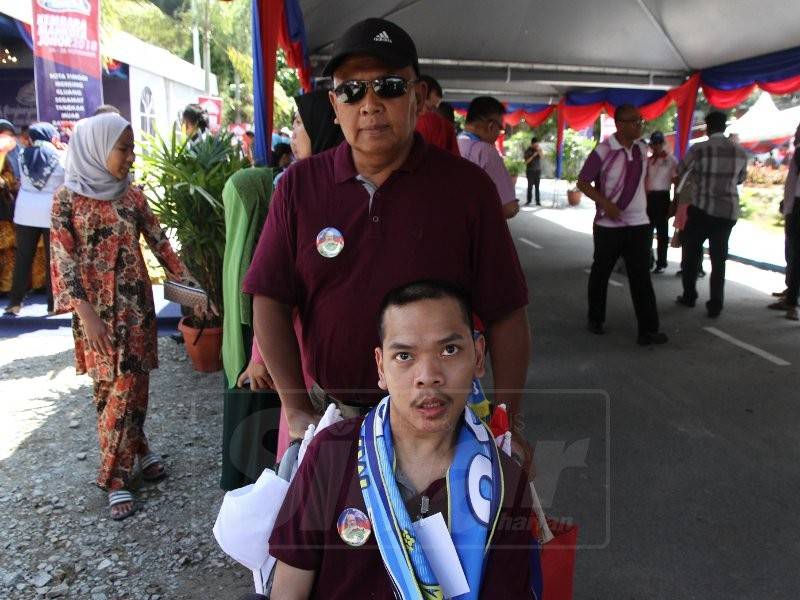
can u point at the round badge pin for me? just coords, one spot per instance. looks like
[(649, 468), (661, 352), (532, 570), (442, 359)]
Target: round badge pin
[(354, 527), (330, 242)]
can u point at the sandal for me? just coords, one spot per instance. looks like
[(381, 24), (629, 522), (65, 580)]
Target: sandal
[(12, 310), (121, 497), (148, 462)]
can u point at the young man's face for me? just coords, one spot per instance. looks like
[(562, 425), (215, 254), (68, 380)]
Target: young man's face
[(427, 362)]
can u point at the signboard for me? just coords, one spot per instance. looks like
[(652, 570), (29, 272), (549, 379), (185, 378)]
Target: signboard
[(213, 106), (66, 59)]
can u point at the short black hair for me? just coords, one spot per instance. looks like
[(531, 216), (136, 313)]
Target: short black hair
[(716, 121), (534, 140), (433, 85), (484, 107), (278, 152), (622, 108), (106, 108), (196, 115), (447, 111), (426, 289)]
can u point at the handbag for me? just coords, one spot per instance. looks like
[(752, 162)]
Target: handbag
[(185, 295)]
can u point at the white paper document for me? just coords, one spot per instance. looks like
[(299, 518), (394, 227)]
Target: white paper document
[(432, 534)]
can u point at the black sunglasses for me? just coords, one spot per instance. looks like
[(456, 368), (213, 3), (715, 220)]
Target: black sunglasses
[(390, 86)]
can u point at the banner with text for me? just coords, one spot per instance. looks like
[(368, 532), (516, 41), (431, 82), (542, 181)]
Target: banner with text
[(66, 51)]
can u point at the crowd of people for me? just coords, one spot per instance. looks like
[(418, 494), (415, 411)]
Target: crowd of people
[(369, 267)]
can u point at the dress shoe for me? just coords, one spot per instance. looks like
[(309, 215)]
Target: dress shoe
[(713, 311), (595, 327), (684, 301), (652, 337), (791, 313), (779, 294), (658, 270), (779, 305)]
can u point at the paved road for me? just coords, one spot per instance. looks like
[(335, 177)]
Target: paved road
[(679, 462)]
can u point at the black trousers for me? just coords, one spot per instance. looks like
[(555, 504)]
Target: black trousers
[(633, 244), (700, 226), (793, 254), (534, 177), (27, 238), (658, 213)]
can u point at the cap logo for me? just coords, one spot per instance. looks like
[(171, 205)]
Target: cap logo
[(382, 37)]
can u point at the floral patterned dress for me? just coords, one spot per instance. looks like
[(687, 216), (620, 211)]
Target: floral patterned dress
[(96, 257)]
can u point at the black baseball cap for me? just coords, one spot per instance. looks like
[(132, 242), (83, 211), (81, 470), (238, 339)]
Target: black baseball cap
[(379, 38)]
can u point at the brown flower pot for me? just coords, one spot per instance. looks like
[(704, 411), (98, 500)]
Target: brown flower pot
[(574, 197), (204, 346)]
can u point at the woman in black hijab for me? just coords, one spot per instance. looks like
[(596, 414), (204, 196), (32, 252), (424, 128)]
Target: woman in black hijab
[(315, 118)]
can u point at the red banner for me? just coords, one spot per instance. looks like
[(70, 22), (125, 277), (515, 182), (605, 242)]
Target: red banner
[(213, 107)]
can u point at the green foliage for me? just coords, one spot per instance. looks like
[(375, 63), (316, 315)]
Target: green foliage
[(517, 143), (168, 24), (515, 166), (576, 149), (761, 205), (183, 183)]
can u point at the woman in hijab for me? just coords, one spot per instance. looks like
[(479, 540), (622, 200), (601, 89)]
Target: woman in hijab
[(98, 273), (313, 131), (42, 173)]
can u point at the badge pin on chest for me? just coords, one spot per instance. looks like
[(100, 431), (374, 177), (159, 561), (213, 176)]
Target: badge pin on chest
[(354, 527), (330, 242)]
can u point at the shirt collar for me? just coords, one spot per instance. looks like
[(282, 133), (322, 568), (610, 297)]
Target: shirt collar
[(719, 134), (344, 168)]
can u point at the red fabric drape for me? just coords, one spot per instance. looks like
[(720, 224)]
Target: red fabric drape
[(787, 86), (294, 51), (727, 98), (270, 23), (580, 117), (533, 119), (685, 97)]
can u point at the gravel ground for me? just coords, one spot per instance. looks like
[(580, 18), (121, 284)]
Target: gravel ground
[(57, 539)]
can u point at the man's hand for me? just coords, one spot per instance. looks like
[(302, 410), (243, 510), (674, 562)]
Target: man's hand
[(522, 453), (510, 209), (299, 420), (256, 376), (612, 210)]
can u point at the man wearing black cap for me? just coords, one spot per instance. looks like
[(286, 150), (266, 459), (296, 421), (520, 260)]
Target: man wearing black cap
[(380, 210), (661, 169)]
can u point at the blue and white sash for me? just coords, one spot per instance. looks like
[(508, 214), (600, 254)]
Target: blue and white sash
[(475, 495)]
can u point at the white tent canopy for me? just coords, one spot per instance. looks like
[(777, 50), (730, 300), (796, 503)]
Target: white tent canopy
[(534, 51), (763, 121)]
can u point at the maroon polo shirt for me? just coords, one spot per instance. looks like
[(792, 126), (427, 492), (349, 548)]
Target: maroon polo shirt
[(306, 535), (436, 217)]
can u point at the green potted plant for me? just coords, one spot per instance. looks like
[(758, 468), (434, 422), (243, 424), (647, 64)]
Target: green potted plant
[(515, 167), (576, 149), (183, 183)]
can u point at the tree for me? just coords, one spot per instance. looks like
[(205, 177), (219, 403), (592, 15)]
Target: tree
[(168, 24)]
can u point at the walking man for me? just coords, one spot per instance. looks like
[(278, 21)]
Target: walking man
[(613, 176), (661, 169), (718, 165)]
